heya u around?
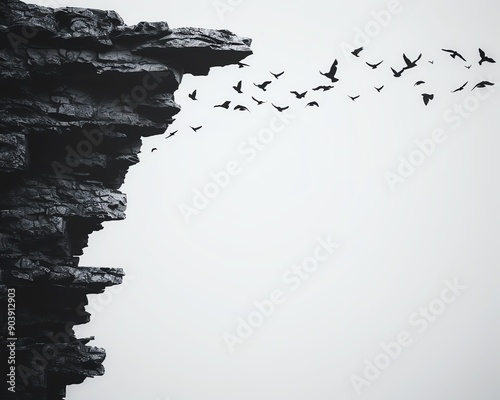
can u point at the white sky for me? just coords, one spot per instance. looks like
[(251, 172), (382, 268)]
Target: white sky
[(323, 175)]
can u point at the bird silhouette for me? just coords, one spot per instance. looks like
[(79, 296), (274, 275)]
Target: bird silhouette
[(374, 66), (379, 89), (241, 108), (411, 64), (172, 134), (263, 85), (259, 102), (427, 98), (419, 83), (333, 71), (356, 52), (277, 75), (281, 109), (196, 129), (324, 88), (238, 87), (312, 103), (153, 149), (454, 54), (397, 74), (460, 88), (241, 65), (223, 105), (431, 62), (485, 58), (483, 84), (468, 66), (193, 95), (353, 98), (299, 95)]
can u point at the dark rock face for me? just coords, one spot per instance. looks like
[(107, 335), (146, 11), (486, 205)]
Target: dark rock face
[(78, 90)]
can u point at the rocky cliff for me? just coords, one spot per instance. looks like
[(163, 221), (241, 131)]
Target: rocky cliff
[(78, 90)]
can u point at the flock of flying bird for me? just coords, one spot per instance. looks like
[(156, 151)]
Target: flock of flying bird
[(331, 75)]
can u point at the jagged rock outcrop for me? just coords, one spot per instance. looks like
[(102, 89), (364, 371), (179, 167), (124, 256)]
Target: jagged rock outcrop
[(78, 90)]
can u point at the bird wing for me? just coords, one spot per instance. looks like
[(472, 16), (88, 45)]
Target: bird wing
[(461, 57), (407, 60), (448, 51), (482, 53), (333, 68)]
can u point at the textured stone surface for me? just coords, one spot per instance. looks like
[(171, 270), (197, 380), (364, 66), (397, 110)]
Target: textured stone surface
[(78, 90)]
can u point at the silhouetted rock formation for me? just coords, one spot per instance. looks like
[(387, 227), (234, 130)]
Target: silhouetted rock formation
[(78, 90)]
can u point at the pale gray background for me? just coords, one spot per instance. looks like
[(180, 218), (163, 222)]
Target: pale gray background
[(323, 175)]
